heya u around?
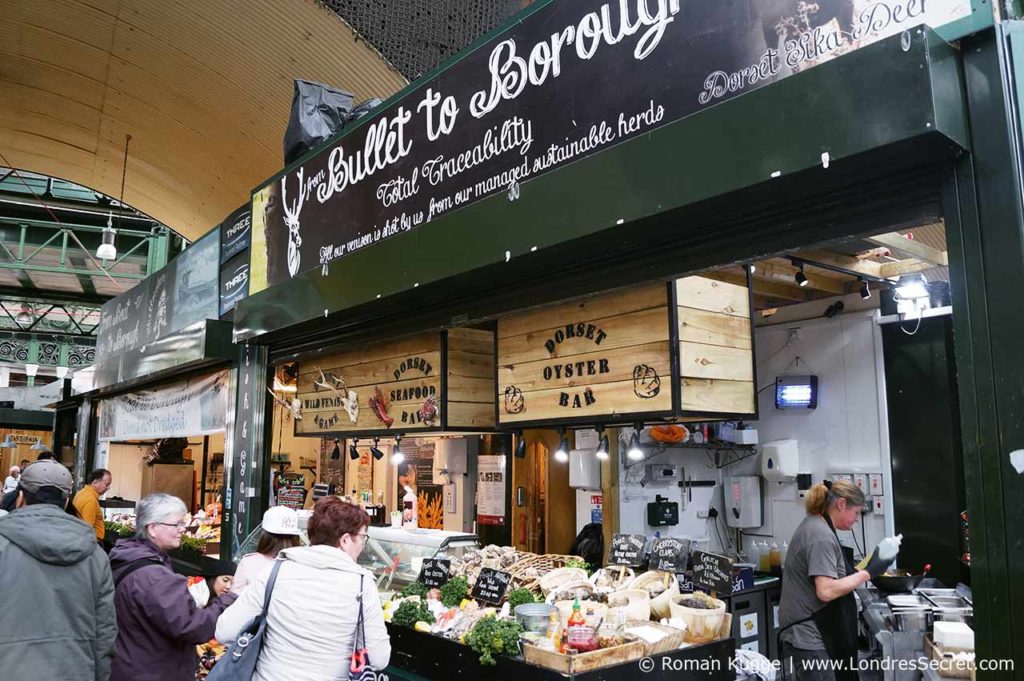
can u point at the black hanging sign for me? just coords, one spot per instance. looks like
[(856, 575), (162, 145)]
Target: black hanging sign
[(235, 233), (670, 554), (435, 572), (234, 281), (627, 549), (712, 572), (569, 79), (491, 585)]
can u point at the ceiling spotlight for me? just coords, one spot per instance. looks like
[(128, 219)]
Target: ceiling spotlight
[(801, 278), (336, 452), (912, 286), (562, 453), (751, 268), (634, 453), (353, 452), (375, 450), (602, 447), (521, 445), (107, 249), (865, 290), (397, 457)]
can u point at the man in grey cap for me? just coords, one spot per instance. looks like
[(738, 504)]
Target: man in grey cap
[(61, 600)]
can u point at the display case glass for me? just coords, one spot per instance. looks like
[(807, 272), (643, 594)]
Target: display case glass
[(395, 555)]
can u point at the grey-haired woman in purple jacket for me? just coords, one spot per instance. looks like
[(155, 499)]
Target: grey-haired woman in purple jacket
[(158, 622)]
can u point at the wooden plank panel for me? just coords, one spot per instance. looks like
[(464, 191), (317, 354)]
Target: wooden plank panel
[(403, 347), (372, 373), (636, 328), (713, 295), (470, 365), (607, 400), (716, 396), (530, 376), (713, 328), (463, 389), (321, 413), (588, 309), (478, 341), (470, 415), (697, 360)]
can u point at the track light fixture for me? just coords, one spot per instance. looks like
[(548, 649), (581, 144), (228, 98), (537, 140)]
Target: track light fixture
[(397, 456), (751, 268), (520, 445), (562, 453), (353, 451), (800, 277), (634, 453), (375, 449), (865, 289), (336, 452), (602, 447)]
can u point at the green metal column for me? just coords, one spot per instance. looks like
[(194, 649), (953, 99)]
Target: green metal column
[(985, 232), (159, 246), (246, 476)]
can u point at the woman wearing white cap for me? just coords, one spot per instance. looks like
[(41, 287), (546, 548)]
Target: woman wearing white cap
[(280, 531)]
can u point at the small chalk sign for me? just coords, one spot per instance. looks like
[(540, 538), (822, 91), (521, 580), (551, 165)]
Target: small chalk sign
[(670, 554), (435, 572), (491, 585), (712, 572), (627, 549)]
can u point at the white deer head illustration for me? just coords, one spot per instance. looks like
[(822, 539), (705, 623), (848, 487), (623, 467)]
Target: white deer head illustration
[(291, 220)]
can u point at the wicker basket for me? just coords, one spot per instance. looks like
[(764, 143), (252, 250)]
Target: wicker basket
[(544, 563)]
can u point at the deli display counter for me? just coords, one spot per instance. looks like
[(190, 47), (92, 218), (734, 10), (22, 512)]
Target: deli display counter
[(395, 555)]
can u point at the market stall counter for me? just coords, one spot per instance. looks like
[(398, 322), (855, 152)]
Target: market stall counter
[(417, 657)]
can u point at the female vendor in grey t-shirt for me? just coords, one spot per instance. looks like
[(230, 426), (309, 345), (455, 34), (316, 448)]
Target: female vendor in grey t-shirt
[(817, 611)]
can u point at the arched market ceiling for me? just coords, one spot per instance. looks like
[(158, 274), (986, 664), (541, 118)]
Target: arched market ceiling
[(203, 87)]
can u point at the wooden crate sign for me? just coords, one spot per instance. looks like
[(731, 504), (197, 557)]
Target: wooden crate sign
[(657, 351), (430, 382), (593, 357)]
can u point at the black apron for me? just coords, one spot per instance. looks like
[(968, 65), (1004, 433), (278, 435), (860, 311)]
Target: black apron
[(837, 623)]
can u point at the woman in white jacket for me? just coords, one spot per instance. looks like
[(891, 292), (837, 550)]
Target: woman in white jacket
[(311, 622)]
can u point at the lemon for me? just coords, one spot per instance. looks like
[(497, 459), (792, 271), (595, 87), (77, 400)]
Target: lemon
[(422, 626)]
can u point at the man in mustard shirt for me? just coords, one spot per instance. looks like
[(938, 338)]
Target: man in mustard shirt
[(87, 501)]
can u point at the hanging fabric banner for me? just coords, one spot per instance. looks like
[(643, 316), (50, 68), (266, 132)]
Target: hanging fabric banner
[(195, 406)]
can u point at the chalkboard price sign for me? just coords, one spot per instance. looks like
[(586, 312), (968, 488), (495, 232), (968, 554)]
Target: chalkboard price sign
[(669, 554), (435, 572), (712, 572), (627, 549), (491, 586)]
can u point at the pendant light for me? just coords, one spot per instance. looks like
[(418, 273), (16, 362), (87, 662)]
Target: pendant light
[(39, 446), (31, 370), (8, 443), (108, 249), (353, 451)]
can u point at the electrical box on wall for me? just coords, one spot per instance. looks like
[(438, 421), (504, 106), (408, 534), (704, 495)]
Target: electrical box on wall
[(744, 506), (449, 459), (662, 512), (657, 472)]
